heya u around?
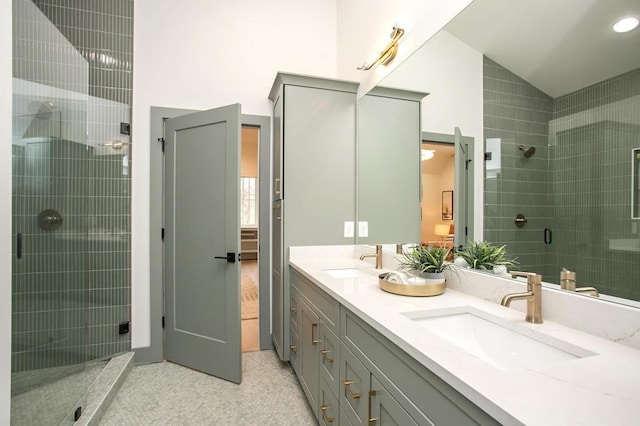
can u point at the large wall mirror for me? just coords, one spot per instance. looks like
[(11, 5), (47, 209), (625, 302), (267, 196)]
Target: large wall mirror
[(551, 96)]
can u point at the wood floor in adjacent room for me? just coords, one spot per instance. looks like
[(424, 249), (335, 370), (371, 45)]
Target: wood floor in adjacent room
[(249, 303)]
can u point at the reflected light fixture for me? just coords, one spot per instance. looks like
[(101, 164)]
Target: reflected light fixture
[(626, 24), (441, 230), (427, 154), (116, 145), (388, 53)]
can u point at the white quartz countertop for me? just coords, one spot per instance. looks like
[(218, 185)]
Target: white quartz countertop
[(601, 389)]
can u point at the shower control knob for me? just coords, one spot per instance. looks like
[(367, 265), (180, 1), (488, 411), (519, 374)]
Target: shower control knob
[(49, 220), (520, 220)]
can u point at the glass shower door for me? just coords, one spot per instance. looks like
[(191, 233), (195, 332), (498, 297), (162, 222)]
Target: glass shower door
[(49, 222)]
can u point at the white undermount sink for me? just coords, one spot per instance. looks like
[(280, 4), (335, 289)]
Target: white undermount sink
[(342, 273), (505, 345), (350, 272)]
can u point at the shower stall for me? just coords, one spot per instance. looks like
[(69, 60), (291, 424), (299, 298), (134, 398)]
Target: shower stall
[(566, 165), (71, 213)]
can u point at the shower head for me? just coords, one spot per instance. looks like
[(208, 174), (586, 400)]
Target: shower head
[(527, 151)]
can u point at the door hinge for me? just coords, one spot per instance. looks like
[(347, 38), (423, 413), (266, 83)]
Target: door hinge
[(77, 414), (163, 321), (162, 234), (466, 231), (161, 140)]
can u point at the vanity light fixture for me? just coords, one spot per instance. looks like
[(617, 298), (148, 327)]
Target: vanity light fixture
[(626, 24), (388, 53)]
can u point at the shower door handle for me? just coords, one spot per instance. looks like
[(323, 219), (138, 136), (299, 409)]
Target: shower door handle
[(230, 257), (19, 245)]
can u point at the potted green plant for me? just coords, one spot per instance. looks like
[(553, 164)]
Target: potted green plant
[(428, 262), (486, 256)]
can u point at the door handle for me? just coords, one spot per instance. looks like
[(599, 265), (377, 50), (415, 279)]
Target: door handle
[(547, 236), (230, 257), (19, 245)]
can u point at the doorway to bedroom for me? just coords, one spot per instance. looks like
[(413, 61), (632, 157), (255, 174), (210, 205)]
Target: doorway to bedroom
[(249, 239)]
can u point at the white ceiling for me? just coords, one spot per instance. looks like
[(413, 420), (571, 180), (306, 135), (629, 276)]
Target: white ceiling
[(559, 46)]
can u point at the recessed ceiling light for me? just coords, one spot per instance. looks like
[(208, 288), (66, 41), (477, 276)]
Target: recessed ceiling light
[(625, 24)]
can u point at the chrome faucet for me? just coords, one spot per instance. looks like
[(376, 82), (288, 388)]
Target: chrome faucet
[(533, 296), (568, 282), (378, 256)]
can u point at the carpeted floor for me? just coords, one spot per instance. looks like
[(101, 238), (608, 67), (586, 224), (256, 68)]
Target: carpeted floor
[(168, 394)]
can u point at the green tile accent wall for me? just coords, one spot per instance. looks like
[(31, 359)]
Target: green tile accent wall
[(72, 287), (518, 114), (578, 183), (591, 166)]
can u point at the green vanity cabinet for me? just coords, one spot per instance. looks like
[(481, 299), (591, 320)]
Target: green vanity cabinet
[(314, 177), (353, 375), (389, 165), (315, 357), (364, 400), (425, 397), (335, 157)]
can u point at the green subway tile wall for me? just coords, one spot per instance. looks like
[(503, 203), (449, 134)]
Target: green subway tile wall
[(72, 286), (518, 114), (578, 183)]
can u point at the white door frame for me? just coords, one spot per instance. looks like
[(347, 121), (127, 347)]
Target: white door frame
[(155, 351)]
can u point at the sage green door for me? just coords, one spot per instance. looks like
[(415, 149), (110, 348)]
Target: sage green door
[(463, 189), (202, 229)]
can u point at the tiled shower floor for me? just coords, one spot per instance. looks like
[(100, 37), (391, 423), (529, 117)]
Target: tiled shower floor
[(39, 396)]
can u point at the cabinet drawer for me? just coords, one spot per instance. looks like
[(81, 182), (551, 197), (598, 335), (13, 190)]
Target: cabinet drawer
[(427, 398), (385, 409), (294, 308), (329, 410), (295, 351), (344, 419), (354, 387), (330, 358), (327, 307)]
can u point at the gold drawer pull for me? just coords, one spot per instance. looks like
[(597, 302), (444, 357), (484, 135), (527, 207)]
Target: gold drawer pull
[(372, 420), (294, 349), (326, 418), (313, 340), (324, 353), (346, 384)]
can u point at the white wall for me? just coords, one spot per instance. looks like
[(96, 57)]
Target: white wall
[(451, 72), (5, 212), (201, 54)]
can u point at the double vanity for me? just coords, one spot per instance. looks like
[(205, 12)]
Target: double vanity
[(364, 356)]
